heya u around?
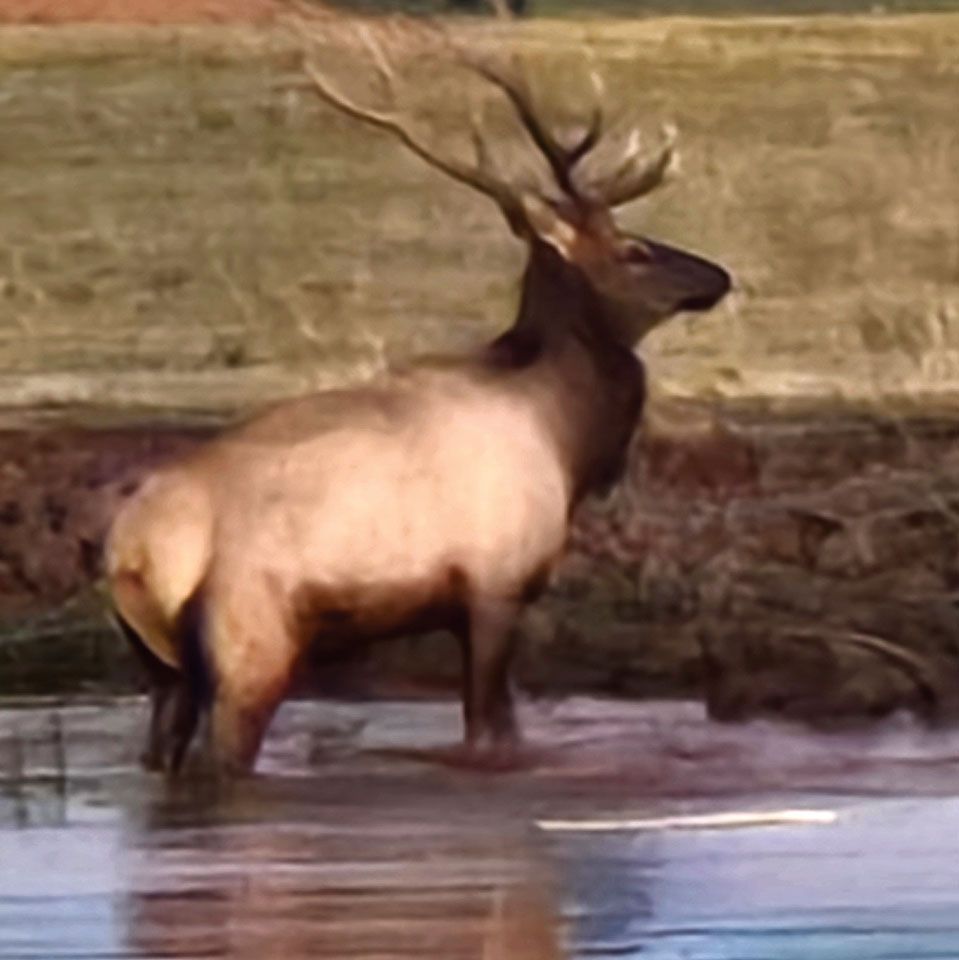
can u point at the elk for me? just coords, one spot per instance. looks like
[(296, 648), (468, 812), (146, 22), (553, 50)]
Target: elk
[(437, 495)]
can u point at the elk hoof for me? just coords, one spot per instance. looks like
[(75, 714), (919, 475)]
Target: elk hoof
[(499, 756), (152, 761)]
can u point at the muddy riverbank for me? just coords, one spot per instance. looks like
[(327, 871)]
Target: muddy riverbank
[(799, 565)]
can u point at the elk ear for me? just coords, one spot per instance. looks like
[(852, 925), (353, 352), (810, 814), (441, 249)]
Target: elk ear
[(548, 225)]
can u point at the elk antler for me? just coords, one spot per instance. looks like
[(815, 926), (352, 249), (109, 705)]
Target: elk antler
[(636, 174), (480, 175), (562, 160)]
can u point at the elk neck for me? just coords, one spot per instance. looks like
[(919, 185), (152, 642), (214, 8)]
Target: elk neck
[(587, 386)]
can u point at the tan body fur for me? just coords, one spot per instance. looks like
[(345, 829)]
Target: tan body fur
[(357, 508)]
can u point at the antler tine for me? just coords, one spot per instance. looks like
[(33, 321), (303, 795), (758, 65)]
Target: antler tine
[(631, 153), (634, 177), (597, 121), (477, 177), (561, 159), (385, 121), (481, 148), (589, 139)]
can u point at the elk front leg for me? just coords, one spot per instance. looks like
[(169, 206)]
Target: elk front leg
[(237, 730), (487, 695)]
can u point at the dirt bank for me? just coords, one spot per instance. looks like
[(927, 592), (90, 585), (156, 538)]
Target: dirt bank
[(800, 566)]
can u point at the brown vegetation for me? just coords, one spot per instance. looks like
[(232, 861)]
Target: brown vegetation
[(58, 491)]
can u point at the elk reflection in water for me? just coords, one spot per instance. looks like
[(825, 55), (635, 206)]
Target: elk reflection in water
[(353, 890), (385, 860)]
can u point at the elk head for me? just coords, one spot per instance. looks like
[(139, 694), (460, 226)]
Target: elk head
[(638, 281)]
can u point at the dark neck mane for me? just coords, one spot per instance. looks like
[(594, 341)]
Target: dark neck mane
[(556, 303), (588, 386)]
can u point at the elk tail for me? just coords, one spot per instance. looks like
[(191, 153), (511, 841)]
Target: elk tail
[(174, 659), (142, 621), (195, 663), (158, 670)]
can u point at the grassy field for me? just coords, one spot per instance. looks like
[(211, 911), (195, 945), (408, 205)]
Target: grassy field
[(182, 230)]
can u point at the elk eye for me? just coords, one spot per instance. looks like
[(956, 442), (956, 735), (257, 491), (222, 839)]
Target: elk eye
[(636, 253)]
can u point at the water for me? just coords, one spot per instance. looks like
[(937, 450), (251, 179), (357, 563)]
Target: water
[(350, 845), (879, 884)]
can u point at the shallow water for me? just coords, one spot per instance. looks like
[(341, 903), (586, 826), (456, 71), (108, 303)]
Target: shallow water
[(348, 845)]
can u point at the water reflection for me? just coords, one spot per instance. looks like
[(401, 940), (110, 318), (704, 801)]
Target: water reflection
[(340, 886), (607, 891), (33, 771), (99, 860), (369, 855)]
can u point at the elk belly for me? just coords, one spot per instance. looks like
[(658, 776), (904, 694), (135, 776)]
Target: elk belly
[(329, 615)]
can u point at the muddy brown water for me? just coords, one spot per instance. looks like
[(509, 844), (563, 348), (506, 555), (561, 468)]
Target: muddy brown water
[(349, 844)]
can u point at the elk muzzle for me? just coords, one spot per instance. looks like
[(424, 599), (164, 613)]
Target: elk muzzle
[(699, 283)]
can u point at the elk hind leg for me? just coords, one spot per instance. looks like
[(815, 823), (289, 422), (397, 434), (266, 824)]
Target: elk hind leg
[(252, 653), (164, 690), (176, 694)]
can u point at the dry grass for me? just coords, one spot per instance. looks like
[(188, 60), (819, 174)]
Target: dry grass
[(181, 231)]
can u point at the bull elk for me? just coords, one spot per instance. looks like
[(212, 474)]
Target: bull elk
[(434, 496)]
